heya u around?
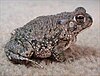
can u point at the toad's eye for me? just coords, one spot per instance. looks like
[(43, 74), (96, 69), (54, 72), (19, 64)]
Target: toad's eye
[(80, 18)]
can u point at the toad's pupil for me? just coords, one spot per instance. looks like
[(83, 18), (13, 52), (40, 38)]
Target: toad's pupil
[(79, 17)]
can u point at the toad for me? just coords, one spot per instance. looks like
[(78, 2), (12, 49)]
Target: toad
[(47, 36)]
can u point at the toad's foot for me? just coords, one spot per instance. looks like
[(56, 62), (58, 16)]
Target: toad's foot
[(60, 57)]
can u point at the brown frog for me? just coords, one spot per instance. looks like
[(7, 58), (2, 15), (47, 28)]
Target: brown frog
[(47, 36)]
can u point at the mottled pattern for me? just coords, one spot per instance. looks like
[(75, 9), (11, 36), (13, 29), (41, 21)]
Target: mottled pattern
[(47, 36)]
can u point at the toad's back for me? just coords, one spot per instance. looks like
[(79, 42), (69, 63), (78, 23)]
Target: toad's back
[(43, 25)]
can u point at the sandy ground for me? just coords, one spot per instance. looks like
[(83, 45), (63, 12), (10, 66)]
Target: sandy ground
[(16, 13)]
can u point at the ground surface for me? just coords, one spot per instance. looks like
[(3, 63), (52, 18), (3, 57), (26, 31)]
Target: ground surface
[(15, 14)]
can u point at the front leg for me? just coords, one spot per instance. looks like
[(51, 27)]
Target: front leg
[(64, 55), (72, 54), (58, 54), (68, 55)]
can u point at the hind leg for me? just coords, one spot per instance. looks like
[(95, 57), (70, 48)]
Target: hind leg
[(16, 58)]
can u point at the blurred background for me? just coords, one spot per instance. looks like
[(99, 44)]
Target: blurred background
[(16, 13)]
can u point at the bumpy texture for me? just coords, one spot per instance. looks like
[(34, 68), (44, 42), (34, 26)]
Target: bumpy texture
[(47, 36)]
